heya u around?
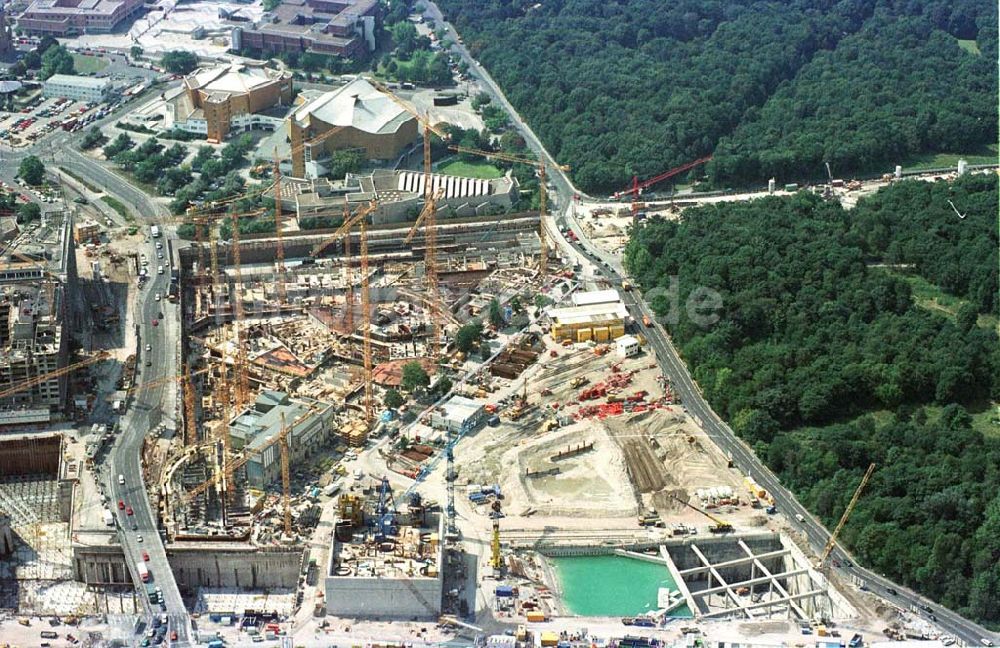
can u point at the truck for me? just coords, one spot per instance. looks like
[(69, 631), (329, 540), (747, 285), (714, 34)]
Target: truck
[(68, 124), (155, 231), (143, 571), (109, 518)]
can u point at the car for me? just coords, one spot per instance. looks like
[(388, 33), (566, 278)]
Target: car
[(121, 505), (121, 478), (926, 608), (158, 297), (145, 556), (159, 245), (138, 538), (173, 635), (159, 255), (135, 525), (149, 363), (890, 590), (986, 642), (149, 347), (128, 510), (156, 322)]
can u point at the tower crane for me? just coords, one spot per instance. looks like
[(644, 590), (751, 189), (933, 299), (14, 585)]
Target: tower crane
[(832, 542), (427, 218), (543, 258), (235, 464), (721, 526), (280, 256), (638, 187), (360, 218), (241, 393), (58, 373)]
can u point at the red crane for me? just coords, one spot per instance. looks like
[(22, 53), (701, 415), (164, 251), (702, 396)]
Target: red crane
[(637, 187)]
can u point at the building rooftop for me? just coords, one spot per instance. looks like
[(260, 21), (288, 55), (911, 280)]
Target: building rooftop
[(359, 105), (460, 408), (236, 78), (262, 421), (79, 81), (73, 7), (595, 297), (588, 313)]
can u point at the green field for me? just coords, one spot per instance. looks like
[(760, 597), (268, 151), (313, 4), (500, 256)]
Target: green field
[(117, 206), (969, 46), (481, 170), (88, 64), (932, 298), (986, 155)]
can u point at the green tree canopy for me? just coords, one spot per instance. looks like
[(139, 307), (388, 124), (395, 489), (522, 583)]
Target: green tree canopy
[(31, 170), (414, 376)]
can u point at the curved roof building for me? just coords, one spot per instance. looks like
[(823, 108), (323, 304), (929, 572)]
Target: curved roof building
[(220, 95), (355, 116)]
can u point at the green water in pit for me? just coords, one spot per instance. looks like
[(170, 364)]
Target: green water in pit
[(612, 585)]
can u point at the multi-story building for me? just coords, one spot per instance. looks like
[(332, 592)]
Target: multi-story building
[(73, 17), (339, 27), (309, 421), (32, 343), (77, 88), (363, 117), (228, 98)]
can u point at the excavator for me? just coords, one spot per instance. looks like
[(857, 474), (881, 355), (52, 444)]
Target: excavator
[(720, 525)]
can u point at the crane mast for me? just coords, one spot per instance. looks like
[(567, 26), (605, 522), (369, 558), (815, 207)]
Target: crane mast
[(832, 542)]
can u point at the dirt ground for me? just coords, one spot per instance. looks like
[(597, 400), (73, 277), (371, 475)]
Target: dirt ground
[(639, 461)]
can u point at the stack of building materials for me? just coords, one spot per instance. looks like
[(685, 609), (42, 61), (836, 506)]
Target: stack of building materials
[(354, 433)]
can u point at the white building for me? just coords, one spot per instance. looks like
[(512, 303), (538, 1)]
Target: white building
[(459, 415), (77, 88), (627, 346), (589, 298)]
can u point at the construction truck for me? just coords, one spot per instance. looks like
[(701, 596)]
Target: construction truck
[(578, 381)]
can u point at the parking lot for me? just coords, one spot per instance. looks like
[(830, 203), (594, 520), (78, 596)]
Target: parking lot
[(42, 116)]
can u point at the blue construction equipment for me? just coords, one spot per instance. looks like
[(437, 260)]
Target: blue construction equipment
[(385, 513)]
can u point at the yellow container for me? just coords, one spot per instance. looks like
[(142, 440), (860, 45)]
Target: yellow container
[(549, 638), (535, 617), (601, 333), (522, 633), (617, 331), (583, 335)]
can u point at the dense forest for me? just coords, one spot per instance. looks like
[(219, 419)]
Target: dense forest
[(820, 340), (615, 88)]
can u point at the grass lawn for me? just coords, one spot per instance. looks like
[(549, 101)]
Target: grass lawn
[(481, 170), (88, 64), (932, 298), (986, 155), (969, 46), (116, 205)]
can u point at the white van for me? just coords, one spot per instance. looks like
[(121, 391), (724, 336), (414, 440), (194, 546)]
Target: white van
[(798, 516), (121, 479), (159, 270)]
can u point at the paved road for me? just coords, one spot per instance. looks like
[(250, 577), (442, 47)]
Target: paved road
[(151, 406), (690, 394)]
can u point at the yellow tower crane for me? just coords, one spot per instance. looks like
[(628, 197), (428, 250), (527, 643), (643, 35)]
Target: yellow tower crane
[(427, 218), (543, 258), (832, 542)]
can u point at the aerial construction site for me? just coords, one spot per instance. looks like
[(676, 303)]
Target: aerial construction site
[(415, 428)]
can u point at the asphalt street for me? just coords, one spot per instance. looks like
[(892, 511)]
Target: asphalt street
[(150, 407), (673, 367)]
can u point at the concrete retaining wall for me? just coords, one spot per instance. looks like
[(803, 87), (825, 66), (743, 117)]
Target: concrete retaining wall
[(241, 568), (393, 598)]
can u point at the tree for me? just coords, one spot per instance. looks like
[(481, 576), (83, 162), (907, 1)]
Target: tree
[(404, 37), (28, 212), (343, 162), (443, 386), (56, 60), (31, 170), (93, 138), (393, 399), (496, 314), (414, 376), (271, 5), (135, 52), (121, 143), (468, 336), (480, 100), (179, 62)]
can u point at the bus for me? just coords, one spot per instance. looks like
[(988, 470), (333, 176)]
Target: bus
[(143, 571)]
